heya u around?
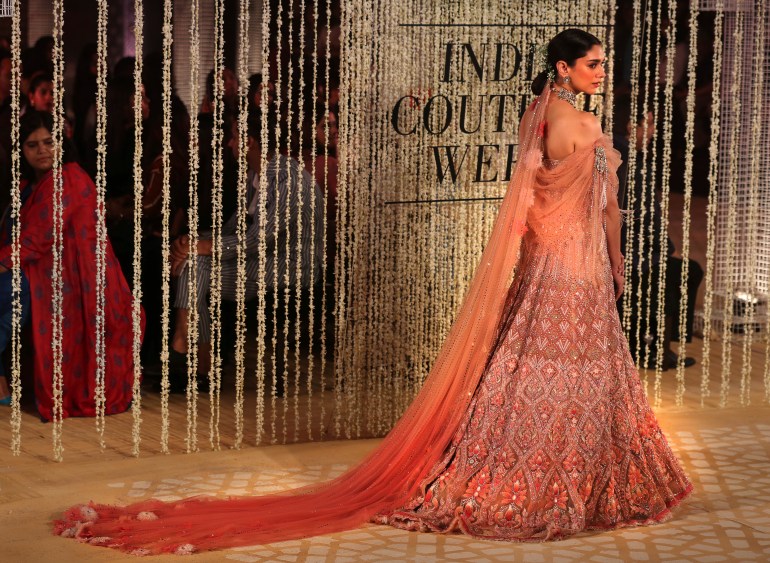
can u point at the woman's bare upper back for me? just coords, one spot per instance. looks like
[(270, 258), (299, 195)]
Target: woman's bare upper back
[(568, 130)]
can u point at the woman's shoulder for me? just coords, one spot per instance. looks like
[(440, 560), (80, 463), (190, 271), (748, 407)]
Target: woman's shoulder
[(588, 129)]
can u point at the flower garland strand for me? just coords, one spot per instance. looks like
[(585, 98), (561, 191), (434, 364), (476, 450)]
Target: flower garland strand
[(16, 231), (711, 209), (641, 305), (215, 303), (653, 175), (101, 225), (58, 230), (758, 80), (262, 236), (341, 358), (732, 203), (136, 292), (243, 190), (631, 169), (287, 291), (277, 219), (665, 185), (191, 393), (165, 252), (298, 330), (688, 169), (313, 149)]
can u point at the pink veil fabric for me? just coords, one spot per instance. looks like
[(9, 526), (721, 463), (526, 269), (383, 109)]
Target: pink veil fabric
[(390, 475)]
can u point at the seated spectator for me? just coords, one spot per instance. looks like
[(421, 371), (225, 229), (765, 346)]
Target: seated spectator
[(255, 93), (285, 180), (79, 303), (40, 95)]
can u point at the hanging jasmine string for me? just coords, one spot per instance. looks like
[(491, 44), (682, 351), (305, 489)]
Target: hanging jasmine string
[(690, 147), (101, 226), (652, 210), (166, 253), (215, 304), (243, 190), (295, 334), (732, 204), (711, 209), (191, 393), (751, 289), (644, 188), (631, 173), (136, 293), (58, 231), (299, 330), (665, 189), (313, 234), (277, 219), (15, 232), (342, 360), (262, 218), (287, 217)]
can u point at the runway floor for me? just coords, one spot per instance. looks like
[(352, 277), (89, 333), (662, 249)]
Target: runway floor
[(726, 452)]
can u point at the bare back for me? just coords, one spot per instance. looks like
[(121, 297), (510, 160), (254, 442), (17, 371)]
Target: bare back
[(568, 130)]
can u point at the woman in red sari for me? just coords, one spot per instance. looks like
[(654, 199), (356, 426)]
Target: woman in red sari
[(79, 278)]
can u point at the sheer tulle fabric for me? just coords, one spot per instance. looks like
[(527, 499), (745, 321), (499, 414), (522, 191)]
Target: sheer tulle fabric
[(390, 475)]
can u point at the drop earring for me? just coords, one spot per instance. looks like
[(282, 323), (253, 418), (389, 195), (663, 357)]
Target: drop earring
[(566, 80)]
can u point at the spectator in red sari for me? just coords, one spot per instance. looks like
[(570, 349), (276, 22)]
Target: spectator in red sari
[(79, 282)]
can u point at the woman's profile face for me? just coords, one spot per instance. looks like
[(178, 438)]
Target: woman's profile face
[(38, 150), (587, 75)]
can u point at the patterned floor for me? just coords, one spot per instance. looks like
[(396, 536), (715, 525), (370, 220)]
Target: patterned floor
[(727, 519)]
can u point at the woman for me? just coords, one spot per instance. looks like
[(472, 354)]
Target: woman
[(40, 95), (533, 424), (78, 275)]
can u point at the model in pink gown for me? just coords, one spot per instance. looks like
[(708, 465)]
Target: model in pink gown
[(559, 436), (532, 425)]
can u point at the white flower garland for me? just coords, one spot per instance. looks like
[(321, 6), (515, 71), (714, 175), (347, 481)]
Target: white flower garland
[(758, 81), (298, 330), (313, 147), (243, 189), (136, 298), (57, 281), (667, 109), (215, 305), (16, 231), (101, 225), (711, 210), (262, 217), (166, 196), (631, 170), (645, 298), (688, 168), (729, 289), (287, 217), (276, 293), (191, 440)]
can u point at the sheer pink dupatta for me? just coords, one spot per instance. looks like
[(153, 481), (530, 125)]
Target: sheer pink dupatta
[(391, 474)]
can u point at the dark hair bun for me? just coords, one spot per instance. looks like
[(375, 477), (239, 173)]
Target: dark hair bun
[(567, 46)]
